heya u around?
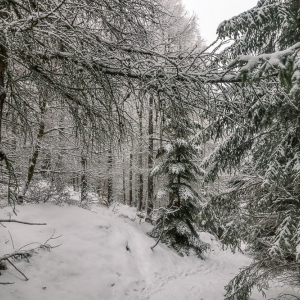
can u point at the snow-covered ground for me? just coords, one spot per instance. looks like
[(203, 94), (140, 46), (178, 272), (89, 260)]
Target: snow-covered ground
[(106, 255)]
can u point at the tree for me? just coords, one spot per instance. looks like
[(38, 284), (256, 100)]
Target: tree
[(150, 185), (140, 197), (258, 131), (89, 56), (174, 224)]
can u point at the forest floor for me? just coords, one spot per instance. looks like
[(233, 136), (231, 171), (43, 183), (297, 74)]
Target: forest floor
[(105, 254)]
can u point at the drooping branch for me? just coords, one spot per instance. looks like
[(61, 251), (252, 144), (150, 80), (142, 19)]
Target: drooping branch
[(143, 74)]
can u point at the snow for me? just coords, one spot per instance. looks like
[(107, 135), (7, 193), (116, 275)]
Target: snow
[(176, 168), (105, 254), (186, 193)]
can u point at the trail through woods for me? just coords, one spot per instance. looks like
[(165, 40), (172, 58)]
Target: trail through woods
[(105, 254)]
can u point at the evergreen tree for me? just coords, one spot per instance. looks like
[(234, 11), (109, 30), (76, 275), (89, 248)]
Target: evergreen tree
[(258, 129), (175, 224)]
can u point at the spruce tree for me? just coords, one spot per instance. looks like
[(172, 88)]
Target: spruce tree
[(259, 143), (175, 224)]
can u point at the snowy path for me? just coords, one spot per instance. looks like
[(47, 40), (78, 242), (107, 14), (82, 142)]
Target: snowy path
[(204, 282), (184, 285), (201, 280), (107, 256)]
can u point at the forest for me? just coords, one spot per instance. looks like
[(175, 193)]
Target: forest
[(122, 101)]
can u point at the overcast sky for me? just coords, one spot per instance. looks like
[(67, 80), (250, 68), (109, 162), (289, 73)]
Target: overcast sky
[(212, 12)]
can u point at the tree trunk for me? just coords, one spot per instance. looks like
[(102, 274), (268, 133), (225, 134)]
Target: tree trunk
[(123, 178), (140, 163), (36, 151), (171, 195), (60, 155), (149, 206), (110, 179), (130, 178), (178, 181), (83, 193), (74, 183), (3, 67)]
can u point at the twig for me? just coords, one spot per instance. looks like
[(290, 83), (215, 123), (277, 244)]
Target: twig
[(6, 282), (17, 269), (12, 241), (114, 206), (47, 246), (28, 245), (161, 234), (53, 238)]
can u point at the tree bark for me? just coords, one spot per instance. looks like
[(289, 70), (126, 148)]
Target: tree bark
[(149, 206)]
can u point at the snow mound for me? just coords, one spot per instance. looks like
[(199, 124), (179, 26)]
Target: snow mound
[(106, 255)]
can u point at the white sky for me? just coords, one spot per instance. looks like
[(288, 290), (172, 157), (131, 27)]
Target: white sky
[(212, 12)]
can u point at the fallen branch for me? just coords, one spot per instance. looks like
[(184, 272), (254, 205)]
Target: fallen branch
[(16, 254), (17, 269), (6, 282), (15, 221), (28, 253)]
